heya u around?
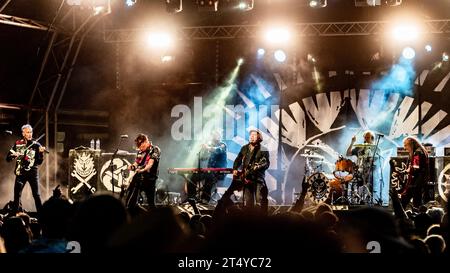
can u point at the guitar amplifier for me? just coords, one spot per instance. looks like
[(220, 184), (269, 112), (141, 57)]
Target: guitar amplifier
[(83, 173), (446, 151), (403, 152), (430, 149), (119, 169)]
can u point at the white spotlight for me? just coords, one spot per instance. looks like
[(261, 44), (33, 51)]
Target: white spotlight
[(246, 5), (405, 33), (279, 55), (318, 3), (277, 35), (428, 48), (240, 61), (408, 53), (166, 58), (130, 3), (160, 40), (261, 52), (445, 57)]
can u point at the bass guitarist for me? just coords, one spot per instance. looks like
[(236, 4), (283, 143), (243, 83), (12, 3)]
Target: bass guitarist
[(253, 160), (28, 155)]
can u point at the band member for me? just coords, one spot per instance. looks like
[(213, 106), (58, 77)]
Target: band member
[(214, 154), (217, 159), (28, 155), (417, 171), (145, 170), (253, 160), (368, 165)]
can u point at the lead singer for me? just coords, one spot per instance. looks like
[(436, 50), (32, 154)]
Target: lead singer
[(28, 155)]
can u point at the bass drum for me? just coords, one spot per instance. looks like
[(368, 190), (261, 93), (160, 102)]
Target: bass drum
[(318, 187)]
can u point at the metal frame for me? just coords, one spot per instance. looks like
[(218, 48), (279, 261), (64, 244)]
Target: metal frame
[(54, 74), (23, 22), (301, 29)]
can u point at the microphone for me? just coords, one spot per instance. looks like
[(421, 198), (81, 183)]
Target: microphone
[(380, 135), (123, 136), (8, 132)]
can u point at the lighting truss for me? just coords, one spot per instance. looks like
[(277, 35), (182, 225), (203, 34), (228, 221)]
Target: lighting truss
[(299, 29)]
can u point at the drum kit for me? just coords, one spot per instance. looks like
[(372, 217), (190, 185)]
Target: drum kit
[(347, 185)]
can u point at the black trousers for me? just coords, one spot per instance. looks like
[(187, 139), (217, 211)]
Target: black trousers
[(141, 182), (414, 192), (253, 192), (197, 190), (32, 177)]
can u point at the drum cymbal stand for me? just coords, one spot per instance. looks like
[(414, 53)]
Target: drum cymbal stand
[(343, 198)]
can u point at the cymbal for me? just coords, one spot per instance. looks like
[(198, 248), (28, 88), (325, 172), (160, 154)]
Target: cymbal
[(312, 156), (365, 145)]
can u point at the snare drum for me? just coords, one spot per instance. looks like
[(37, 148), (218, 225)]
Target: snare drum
[(344, 169)]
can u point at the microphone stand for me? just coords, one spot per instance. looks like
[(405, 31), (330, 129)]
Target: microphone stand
[(379, 201), (111, 164)]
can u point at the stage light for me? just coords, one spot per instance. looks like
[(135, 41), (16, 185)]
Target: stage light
[(261, 52), (408, 53), (167, 58), (311, 58), (160, 40), (246, 5), (277, 35), (174, 6), (130, 3), (73, 2), (207, 5), (445, 57), (318, 3), (392, 3), (405, 33), (279, 55), (428, 48), (367, 3), (243, 5), (240, 61)]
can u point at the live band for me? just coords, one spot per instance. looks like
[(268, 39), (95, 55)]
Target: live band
[(352, 181)]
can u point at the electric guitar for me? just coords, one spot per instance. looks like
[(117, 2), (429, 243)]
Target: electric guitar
[(127, 182), (244, 175)]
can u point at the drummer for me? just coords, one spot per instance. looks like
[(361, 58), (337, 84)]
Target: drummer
[(365, 154), (361, 150)]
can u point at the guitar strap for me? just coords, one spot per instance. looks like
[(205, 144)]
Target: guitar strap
[(143, 162)]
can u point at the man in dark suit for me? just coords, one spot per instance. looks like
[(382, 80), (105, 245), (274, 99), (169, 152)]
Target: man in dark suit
[(253, 161)]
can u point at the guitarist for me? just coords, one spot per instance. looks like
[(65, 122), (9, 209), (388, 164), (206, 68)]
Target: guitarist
[(146, 172), (28, 155), (253, 161), (417, 172)]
